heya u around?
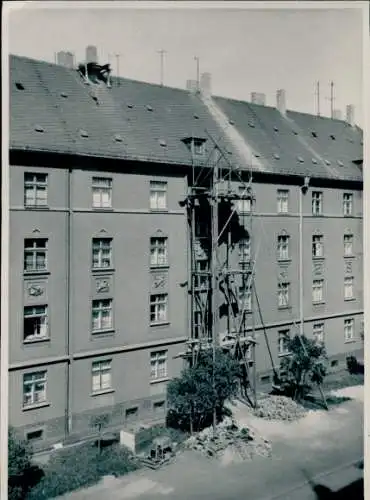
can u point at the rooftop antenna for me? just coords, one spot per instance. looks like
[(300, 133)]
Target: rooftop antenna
[(317, 93), (196, 58), (162, 53), (117, 57), (332, 99)]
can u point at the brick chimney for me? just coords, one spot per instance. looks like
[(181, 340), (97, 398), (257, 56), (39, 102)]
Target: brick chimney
[(350, 115), (91, 54), (258, 98), (206, 84), (65, 59), (281, 101)]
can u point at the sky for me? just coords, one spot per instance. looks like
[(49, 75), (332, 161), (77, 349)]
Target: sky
[(244, 49)]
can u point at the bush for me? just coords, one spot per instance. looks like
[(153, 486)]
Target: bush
[(81, 466)]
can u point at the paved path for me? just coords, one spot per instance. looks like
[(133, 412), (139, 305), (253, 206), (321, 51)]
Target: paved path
[(323, 446)]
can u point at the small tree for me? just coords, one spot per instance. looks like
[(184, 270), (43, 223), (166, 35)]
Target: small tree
[(202, 389), (306, 365), (100, 422), (19, 463)]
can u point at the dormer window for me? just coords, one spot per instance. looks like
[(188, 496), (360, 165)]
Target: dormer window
[(196, 145)]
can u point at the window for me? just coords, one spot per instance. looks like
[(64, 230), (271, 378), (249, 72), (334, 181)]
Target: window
[(158, 195), (348, 245), (35, 435), (197, 323), (199, 146), (318, 333), (102, 192), (245, 299), (158, 365), (158, 308), (131, 414), (35, 323), (282, 201), (101, 375), (101, 253), (318, 291), (158, 252), (159, 407), (283, 294), (102, 315), (201, 280), (35, 190), (283, 247), (283, 342), (317, 246), (348, 288), (244, 205), (34, 388), (316, 203), (349, 333), (35, 254), (244, 251), (347, 203)]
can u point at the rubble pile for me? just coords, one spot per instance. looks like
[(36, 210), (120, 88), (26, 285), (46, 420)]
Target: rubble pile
[(242, 443), (279, 408)]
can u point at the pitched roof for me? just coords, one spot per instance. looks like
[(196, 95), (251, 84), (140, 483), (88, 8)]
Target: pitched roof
[(56, 111)]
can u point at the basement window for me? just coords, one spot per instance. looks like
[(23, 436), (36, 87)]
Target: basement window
[(83, 133), (35, 435), (265, 379), (334, 363), (19, 85), (38, 128)]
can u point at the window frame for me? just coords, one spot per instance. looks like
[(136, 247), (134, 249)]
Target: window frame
[(347, 203), (37, 186), (34, 315), (97, 187), (244, 206), (154, 245), (317, 203), (352, 288), (322, 282), (155, 188), (351, 245), (245, 298), (282, 196), (41, 379), (285, 238), (100, 254), (101, 371), (283, 289), (155, 358), (349, 322), (101, 310), (244, 256), (318, 242), (285, 336), (155, 312), (34, 250), (318, 329)]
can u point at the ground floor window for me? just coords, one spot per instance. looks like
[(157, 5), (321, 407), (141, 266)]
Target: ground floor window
[(34, 388)]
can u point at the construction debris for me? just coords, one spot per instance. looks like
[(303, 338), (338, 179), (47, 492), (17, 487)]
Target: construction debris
[(279, 408), (228, 439)]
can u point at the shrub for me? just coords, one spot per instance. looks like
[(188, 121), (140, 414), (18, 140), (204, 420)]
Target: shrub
[(81, 466)]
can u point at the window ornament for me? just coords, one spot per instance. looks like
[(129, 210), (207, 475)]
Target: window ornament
[(35, 290)]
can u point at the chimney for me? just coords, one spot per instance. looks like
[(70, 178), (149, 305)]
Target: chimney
[(281, 101), (258, 98), (350, 115), (191, 86), (205, 84), (91, 54), (337, 114), (65, 59)]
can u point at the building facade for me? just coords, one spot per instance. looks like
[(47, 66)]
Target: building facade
[(99, 243)]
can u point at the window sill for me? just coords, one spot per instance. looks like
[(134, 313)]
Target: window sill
[(348, 215), (103, 209), (36, 341), (36, 207), (159, 267), (284, 261), (318, 303), (351, 299), (159, 380), (102, 333), (36, 406), (317, 215), (163, 323), (350, 341), (315, 259), (36, 273), (282, 213), (102, 270), (158, 210), (352, 256), (103, 392), (283, 354), (283, 308)]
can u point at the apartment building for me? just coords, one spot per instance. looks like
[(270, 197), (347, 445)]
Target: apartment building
[(99, 241)]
